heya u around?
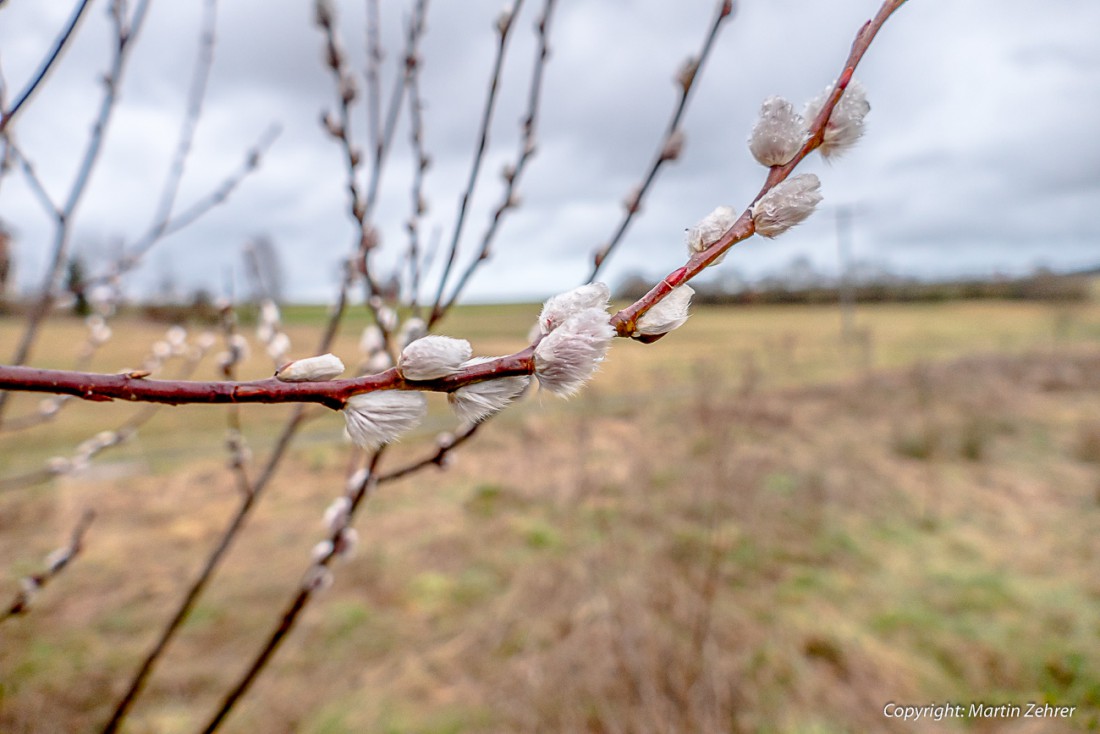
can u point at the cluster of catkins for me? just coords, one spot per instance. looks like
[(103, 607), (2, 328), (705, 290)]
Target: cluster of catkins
[(571, 337), (776, 139)]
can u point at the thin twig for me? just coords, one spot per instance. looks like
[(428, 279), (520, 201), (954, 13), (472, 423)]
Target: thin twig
[(360, 207), (159, 231), (313, 581), (240, 470), (374, 63), (412, 43), (667, 150), (513, 171), (421, 161), (55, 562), (199, 79), (504, 26), (126, 32), (103, 440), (6, 116), (37, 187)]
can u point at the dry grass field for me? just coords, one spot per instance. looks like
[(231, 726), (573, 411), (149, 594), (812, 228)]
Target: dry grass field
[(748, 526)]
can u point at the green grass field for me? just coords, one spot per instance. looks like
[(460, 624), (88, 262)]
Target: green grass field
[(752, 525)]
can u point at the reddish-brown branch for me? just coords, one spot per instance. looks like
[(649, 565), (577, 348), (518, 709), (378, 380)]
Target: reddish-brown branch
[(332, 394), (625, 320)]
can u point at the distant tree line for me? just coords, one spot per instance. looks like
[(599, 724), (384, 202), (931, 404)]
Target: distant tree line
[(799, 283)]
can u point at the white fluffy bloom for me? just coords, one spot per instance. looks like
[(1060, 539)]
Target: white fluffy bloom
[(356, 481), (777, 134), (321, 551), (566, 358), (476, 402), (176, 336), (57, 558), (845, 125), (560, 307), (787, 204), (375, 418), (431, 357), (311, 369), (670, 313), (336, 514), (710, 229)]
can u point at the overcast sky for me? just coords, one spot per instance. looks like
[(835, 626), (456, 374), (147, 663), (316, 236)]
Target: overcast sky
[(981, 152)]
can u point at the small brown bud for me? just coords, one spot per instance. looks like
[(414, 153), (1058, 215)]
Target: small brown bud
[(674, 145), (686, 76), (633, 201)]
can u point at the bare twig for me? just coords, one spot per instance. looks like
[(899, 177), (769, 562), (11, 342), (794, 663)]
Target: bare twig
[(504, 26), (668, 149), (374, 63), (314, 580), (360, 206), (55, 562), (200, 77), (126, 31), (161, 230), (37, 187), (513, 171), (6, 116), (421, 161), (103, 440), (240, 470)]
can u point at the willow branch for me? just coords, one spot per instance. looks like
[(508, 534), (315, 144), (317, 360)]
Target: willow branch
[(141, 676), (625, 320), (514, 171), (161, 230), (504, 28), (199, 79), (6, 116), (374, 63), (313, 581), (670, 143), (135, 387), (56, 562), (102, 441), (421, 161), (125, 33)]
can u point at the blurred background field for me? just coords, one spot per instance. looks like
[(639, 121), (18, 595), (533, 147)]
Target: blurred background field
[(755, 524)]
